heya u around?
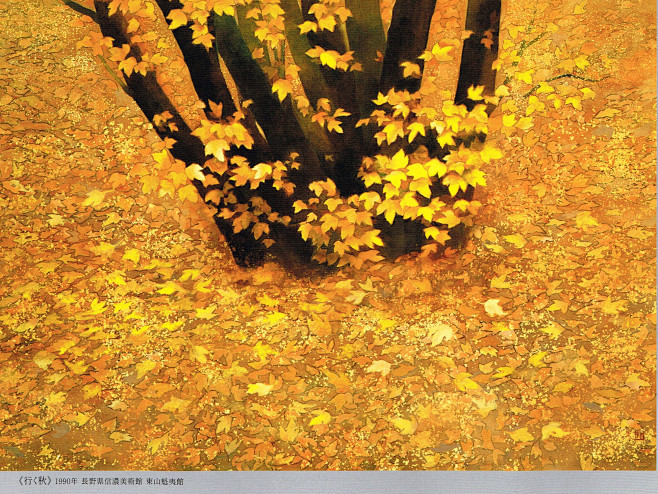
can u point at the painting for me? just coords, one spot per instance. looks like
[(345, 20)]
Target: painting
[(335, 235)]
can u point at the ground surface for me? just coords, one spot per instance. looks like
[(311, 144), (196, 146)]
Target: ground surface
[(130, 340)]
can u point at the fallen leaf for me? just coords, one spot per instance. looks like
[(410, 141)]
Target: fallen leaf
[(493, 308)]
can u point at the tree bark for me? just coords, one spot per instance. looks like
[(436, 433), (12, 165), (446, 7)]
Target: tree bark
[(407, 39)]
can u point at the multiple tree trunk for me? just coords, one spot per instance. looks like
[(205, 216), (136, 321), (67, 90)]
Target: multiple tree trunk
[(283, 132)]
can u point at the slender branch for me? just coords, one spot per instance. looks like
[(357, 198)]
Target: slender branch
[(81, 9), (528, 44), (116, 78), (563, 76)]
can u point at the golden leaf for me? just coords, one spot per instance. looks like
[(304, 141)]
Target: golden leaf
[(144, 368), (614, 308), (43, 359), (76, 367), (463, 381), (95, 198), (199, 353), (175, 405), (118, 437), (552, 430), (521, 435), (155, 444), (537, 360), (290, 432), (380, 366), (177, 18), (493, 308), (260, 389), (322, 418), (406, 427), (440, 332)]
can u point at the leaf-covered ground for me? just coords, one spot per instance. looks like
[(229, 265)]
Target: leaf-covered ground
[(130, 340)]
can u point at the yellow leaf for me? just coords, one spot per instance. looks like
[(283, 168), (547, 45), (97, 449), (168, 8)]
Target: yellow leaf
[(441, 54), (607, 113), (155, 444), (200, 286), (537, 360), (552, 430), (55, 219), (290, 432), (446, 139), (475, 93), (559, 305), (406, 427), (144, 368), (76, 367), (503, 372), (207, 313), (116, 278), (199, 353), (517, 240), (260, 389), (195, 172), (380, 366), (307, 26), (175, 404), (91, 390), (580, 367), (525, 76), (411, 69), (282, 88), (463, 381), (177, 18), (634, 381), (440, 332), (55, 398), (322, 418), (525, 123), (614, 308), (97, 307), (267, 300), (484, 406), (95, 198), (575, 102), (275, 318), (521, 435), (329, 59), (490, 153), (584, 219), (509, 120), (493, 308), (103, 248), (415, 129), (499, 282), (118, 437), (189, 193), (169, 287), (26, 326), (132, 255), (552, 330), (563, 387), (43, 359), (396, 177), (81, 419), (580, 8), (327, 22), (384, 324)]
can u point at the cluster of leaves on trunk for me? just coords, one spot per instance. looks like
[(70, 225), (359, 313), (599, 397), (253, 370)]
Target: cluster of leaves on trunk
[(315, 136)]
